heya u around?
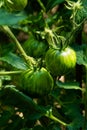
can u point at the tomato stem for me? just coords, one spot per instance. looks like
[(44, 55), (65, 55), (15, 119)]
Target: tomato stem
[(56, 119), (53, 39), (85, 99), (42, 5), (0, 83), (31, 61), (51, 116), (71, 36), (10, 72)]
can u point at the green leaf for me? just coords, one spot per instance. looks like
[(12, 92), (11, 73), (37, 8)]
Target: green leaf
[(13, 97), (68, 85), (81, 57), (52, 3), (14, 60), (81, 15), (7, 18), (76, 124), (84, 2), (73, 112), (72, 108)]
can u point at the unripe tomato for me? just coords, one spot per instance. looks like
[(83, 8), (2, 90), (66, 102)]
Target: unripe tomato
[(60, 62), (15, 5), (35, 48), (37, 83)]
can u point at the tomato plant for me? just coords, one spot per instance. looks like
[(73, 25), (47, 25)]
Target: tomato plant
[(43, 65)]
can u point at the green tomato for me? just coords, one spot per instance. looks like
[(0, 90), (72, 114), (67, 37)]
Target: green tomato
[(37, 83), (15, 5), (35, 48), (60, 62)]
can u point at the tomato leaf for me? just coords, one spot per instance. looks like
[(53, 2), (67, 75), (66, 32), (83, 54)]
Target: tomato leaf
[(76, 117), (68, 85), (81, 57), (21, 100), (76, 124), (84, 2), (14, 60), (7, 18), (15, 95)]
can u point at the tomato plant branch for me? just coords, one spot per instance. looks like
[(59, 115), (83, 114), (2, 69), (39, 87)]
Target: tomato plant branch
[(85, 100), (72, 34), (10, 72), (31, 61), (86, 92), (56, 119), (0, 83), (42, 5)]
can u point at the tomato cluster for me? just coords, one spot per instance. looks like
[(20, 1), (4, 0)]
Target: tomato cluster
[(58, 61)]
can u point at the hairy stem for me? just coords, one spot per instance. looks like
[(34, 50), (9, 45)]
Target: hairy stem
[(27, 58), (10, 72), (56, 119), (86, 97), (85, 124), (42, 5)]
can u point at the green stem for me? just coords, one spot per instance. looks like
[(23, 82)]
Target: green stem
[(86, 95), (9, 32), (43, 12), (73, 20), (56, 119), (0, 83), (42, 5), (85, 124), (27, 58), (50, 37), (10, 72), (72, 34)]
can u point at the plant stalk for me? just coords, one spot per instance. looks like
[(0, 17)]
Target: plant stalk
[(10, 72), (86, 97), (31, 61), (42, 5), (56, 119), (85, 124)]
